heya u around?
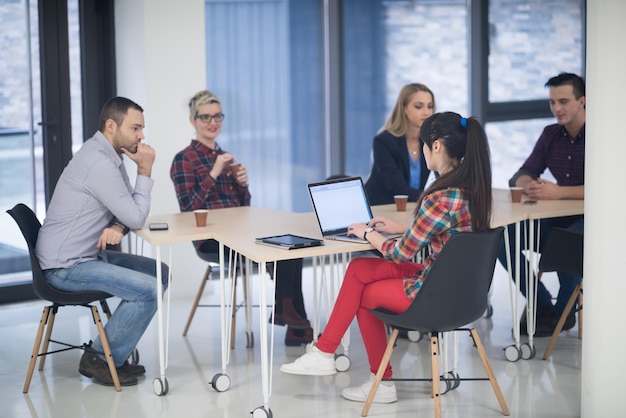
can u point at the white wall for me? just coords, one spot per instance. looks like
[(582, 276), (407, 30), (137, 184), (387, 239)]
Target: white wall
[(160, 47), (604, 342)]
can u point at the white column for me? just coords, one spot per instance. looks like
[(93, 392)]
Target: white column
[(161, 63), (604, 341)]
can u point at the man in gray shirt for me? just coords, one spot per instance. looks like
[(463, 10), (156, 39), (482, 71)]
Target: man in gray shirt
[(94, 205)]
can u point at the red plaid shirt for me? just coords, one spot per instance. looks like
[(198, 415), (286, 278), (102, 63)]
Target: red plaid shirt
[(441, 214), (196, 189)]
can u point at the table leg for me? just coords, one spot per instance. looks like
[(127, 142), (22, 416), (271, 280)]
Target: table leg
[(221, 381), (528, 352), (160, 385), (266, 373), (223, 316), (345, 340), (316, 314), (512, 352)]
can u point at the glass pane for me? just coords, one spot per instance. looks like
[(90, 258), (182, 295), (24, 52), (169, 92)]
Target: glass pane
[(392, 43), (21, 151), (511, 143), (21, 167), (76, 102), (531, 41), (264, 64)]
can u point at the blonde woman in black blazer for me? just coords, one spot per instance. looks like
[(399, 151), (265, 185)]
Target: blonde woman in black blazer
[(397, 147)]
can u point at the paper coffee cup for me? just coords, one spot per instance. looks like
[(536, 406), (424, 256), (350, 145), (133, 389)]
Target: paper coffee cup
[(401, 200), (201, 215), (516, 194), (234, 169)]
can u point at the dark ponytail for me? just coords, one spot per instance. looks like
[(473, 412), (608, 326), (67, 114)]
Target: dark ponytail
[(466, 143)]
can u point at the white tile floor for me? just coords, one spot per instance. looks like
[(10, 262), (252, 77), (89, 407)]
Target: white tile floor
[(532, 388)]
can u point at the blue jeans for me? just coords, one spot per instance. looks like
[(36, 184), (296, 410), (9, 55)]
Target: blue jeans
[(128, 277), (567, 282)]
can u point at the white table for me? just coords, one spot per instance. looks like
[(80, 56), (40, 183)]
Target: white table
[(237, 228)]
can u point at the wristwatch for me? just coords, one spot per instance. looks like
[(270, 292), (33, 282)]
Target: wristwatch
[(367, 230), (125, 229)]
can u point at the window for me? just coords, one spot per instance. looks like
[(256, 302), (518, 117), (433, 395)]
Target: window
[(511, 143), (529, 42), (388, 44), (23, 173), (307, 84), (21, 165), (264, 63)]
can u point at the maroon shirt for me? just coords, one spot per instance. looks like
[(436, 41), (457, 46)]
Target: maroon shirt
[(557, 151)]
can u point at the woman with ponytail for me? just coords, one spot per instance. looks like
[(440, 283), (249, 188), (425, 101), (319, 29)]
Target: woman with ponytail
[(458, 200)]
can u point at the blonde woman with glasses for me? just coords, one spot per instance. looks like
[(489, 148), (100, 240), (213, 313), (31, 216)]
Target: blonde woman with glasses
[(203, 179)]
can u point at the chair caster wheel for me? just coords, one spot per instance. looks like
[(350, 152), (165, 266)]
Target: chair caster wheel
[(444, 385), (511, 353), (454, 379), (249, 339), (220, 382), (342, 362), (261, 412), (527, 351), (161, 387), (414, 336)]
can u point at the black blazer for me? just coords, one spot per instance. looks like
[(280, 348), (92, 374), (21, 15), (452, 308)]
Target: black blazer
[(390, 172)]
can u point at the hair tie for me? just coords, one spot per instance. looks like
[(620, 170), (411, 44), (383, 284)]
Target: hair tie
[(463, 122)]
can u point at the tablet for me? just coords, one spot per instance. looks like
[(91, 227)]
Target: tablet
[(290, 241)]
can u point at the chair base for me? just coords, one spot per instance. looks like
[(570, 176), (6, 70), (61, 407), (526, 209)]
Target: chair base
[(435, 378), (576, 294), (46, 324)]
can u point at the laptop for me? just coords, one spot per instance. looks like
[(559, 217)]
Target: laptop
[(339, 203)]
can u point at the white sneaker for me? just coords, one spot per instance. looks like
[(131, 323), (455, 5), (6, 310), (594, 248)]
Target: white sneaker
[(384, 394), (313, 363)]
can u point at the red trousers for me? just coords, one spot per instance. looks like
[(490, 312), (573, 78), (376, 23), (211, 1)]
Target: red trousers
[(368, 283)]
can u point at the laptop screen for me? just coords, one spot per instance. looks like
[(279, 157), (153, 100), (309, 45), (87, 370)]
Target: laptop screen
[(339, 203)]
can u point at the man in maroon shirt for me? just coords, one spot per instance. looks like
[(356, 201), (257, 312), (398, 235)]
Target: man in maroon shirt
[(560, 149)]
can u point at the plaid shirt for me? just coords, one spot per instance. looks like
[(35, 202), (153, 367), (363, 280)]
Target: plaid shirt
[(441, 214), (557, 151), (196, 189)]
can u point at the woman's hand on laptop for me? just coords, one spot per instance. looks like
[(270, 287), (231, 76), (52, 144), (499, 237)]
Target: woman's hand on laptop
[(384, 224)]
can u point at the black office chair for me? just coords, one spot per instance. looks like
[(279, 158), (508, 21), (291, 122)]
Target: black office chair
[(213, 266), (563, 251), (454, 294), (29, 225)]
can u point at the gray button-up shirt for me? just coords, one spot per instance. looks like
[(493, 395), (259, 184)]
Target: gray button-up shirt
[(93, 190)]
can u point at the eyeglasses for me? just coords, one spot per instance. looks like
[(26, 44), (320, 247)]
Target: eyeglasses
[(218, 117)]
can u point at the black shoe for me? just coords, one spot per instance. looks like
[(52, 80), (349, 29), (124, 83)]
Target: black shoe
[(296, 337), (569, 322), (91, 365), (544, 316), (546, 328), (132, 369)]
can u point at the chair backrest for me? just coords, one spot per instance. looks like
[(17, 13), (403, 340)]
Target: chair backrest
[(212, 258), (563, 251), (455, 290), (30, 225)]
